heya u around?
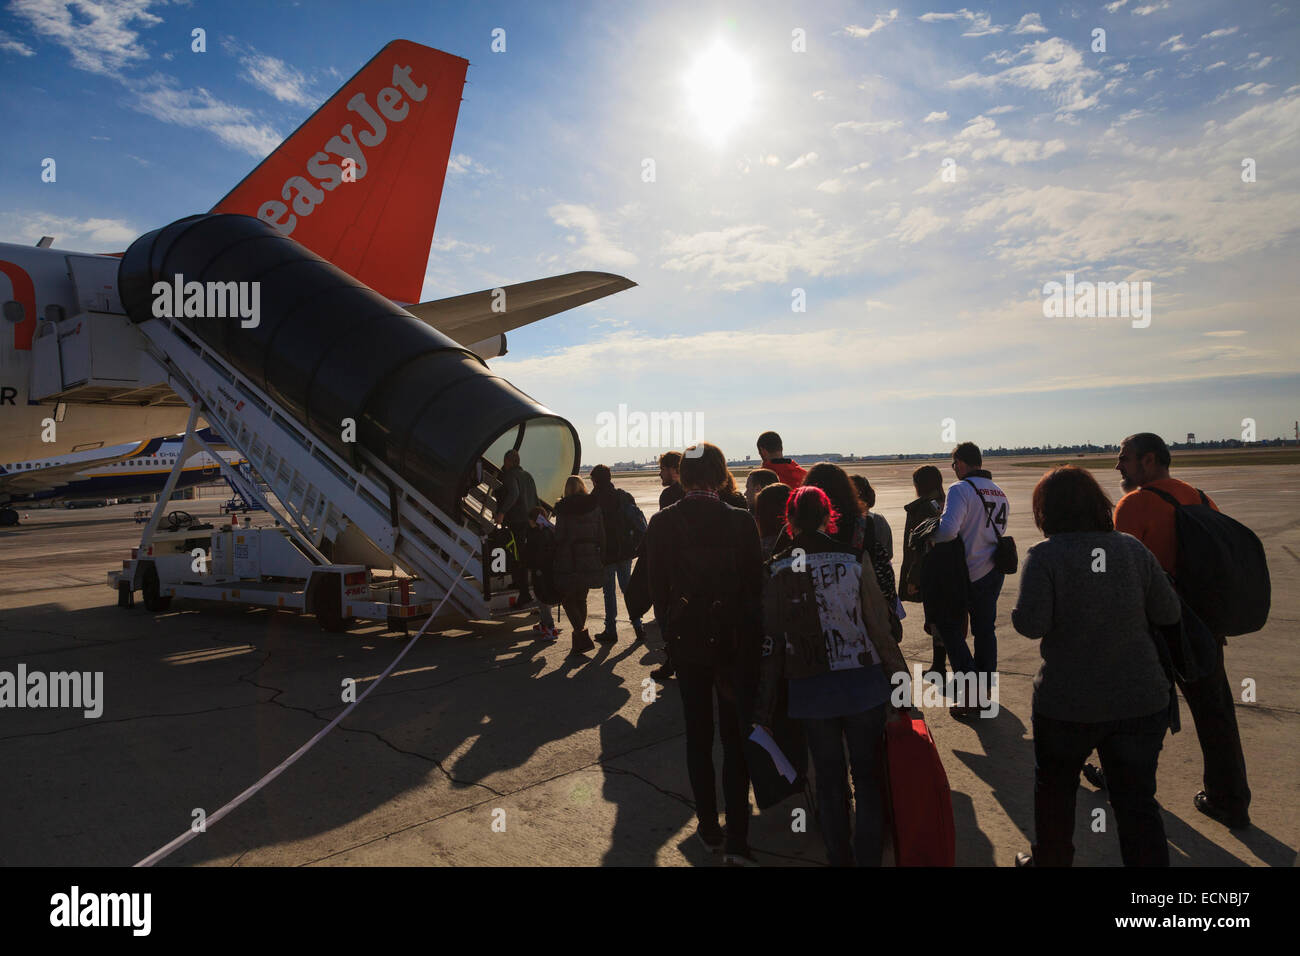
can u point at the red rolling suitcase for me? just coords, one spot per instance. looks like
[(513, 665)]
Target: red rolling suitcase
[(917, 790)]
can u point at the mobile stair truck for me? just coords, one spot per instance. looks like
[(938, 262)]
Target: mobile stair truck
[(377, 437)]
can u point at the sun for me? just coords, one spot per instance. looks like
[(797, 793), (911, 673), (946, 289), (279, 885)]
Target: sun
[(719, 91)]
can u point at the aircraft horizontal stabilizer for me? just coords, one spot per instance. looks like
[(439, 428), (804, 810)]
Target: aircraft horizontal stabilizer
[(476, 316)]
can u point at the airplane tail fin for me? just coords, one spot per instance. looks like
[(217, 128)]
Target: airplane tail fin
[(359, 182)]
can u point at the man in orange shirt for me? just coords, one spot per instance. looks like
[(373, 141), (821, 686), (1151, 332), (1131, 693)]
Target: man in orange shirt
[(1144, 463)]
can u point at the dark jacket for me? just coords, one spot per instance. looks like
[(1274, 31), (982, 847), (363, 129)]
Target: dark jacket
[(637, 594), (909, 576), (671, 495), (945, 583), (612, 500), (517, 496), (735, 499), (817, 588), (708, 533), (579, 544)]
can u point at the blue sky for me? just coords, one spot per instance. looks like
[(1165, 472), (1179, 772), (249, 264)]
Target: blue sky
[(923, 296)]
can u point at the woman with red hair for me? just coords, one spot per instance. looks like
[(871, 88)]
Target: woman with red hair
[(827, 637)]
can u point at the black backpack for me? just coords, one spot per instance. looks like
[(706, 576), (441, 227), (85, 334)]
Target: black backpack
[(704, 611), (634, 526), (539, 558), (611, 509), (503, 540), (1222, 571)]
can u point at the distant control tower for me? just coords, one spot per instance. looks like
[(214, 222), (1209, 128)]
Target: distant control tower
[(1191, 438)]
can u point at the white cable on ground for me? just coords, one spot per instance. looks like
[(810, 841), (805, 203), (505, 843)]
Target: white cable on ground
[(187, 836)]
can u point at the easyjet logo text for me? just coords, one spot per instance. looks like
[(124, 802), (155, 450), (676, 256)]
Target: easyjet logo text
[(302, 195)]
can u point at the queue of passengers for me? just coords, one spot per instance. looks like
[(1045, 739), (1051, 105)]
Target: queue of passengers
[(782, 602)]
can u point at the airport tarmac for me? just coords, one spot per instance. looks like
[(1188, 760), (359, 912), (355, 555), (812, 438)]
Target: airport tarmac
[(485, 725)]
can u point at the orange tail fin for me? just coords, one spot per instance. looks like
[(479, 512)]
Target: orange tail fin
[(359, 182)]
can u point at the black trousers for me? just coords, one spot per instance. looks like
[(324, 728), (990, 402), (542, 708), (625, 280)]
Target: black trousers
[(1214, 712), (1129, 751), (575, 607), (700, 685)]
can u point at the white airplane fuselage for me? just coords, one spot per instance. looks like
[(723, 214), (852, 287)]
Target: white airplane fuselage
[(40, 282)]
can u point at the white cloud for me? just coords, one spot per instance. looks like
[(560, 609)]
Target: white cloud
[(161, 98), (1221, 32), (917, 224), (979, 23), (858, 167), (1199, 221), (998, 110), (981, 138), (597, 247), (882, 21), (69, 232), (461, 163), (1053, 67), (807, 159), (459, 247), (1151, 8), (1175, 44), (9, 45), (101, 38), (1112, 7), (936, 117), (937, 183), (1215, 66), (272, 75), (1030, 23), (831, 186), (742, 255), (869, 126), (1130, 116)]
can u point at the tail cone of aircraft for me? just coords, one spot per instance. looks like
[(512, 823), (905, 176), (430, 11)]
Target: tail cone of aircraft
[(329, 348)]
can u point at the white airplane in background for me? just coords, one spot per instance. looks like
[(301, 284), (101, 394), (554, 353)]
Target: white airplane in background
[(120, 471), (391, 127)]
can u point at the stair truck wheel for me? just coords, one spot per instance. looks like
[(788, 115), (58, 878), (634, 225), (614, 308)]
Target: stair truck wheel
[(150, 589), (326, 602)]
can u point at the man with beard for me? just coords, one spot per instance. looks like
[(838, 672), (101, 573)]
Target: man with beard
[(1144, 463), (669, 464)]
